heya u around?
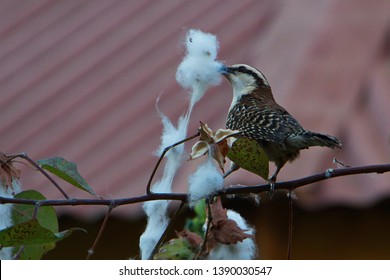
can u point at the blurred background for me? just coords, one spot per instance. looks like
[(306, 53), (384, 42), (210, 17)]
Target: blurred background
[(80, 79)]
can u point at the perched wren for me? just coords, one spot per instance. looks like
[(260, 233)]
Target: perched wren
[(257, 116)]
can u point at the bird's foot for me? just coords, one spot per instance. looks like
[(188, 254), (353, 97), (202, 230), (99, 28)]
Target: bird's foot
[(271, 182)]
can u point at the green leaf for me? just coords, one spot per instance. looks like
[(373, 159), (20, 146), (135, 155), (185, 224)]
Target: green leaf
[(46, 217), (37, 236), (175, 249), (22, 212), (249, 155), (30, 233), (36, 251), (33, 252), (67, 171)]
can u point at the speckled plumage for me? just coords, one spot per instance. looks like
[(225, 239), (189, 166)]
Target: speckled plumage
[(255, 113)]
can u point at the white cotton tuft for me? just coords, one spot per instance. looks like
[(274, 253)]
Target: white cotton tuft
[(6, 214), (199, 43), (245, 250), (205, 181), (199, 69), (157, 223)]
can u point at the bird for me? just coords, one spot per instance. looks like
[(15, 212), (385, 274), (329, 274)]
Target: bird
[(256, 115)]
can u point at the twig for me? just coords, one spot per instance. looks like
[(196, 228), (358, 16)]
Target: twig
[(103, 202), (91, 251), (208, 225), (148, 191), (290, 223), (36, 209), (293, 184)]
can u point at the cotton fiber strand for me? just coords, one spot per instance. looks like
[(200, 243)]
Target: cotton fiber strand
[(172, 134), (157, 211)]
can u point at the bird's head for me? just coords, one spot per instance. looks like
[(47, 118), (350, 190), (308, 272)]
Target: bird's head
[(244, 78)]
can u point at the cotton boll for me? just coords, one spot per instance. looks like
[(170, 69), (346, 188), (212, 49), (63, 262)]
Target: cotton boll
[(245, 250), (204, 182)]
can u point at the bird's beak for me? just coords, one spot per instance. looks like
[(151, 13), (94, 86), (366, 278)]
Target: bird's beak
[(225, 70)]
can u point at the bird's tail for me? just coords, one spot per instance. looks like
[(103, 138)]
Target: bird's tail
[(323, 140)]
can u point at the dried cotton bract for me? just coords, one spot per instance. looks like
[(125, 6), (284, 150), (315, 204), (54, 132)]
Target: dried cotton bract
[(244, 250)]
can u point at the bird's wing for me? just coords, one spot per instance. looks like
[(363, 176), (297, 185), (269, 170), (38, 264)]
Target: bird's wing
[(273, 125)]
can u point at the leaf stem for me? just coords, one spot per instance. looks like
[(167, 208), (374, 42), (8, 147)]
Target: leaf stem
[(40, 169)]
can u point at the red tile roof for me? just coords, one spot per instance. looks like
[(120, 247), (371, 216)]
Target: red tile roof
[(79, 79)]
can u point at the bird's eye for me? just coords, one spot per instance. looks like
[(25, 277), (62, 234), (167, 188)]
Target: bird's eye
[(241, 69)]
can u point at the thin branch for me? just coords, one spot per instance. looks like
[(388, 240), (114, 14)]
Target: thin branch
[(148, 191), (103, 202), (328, 174), (100, 233), (208, 225), (293, 184), (36, 209), (290, 223)]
